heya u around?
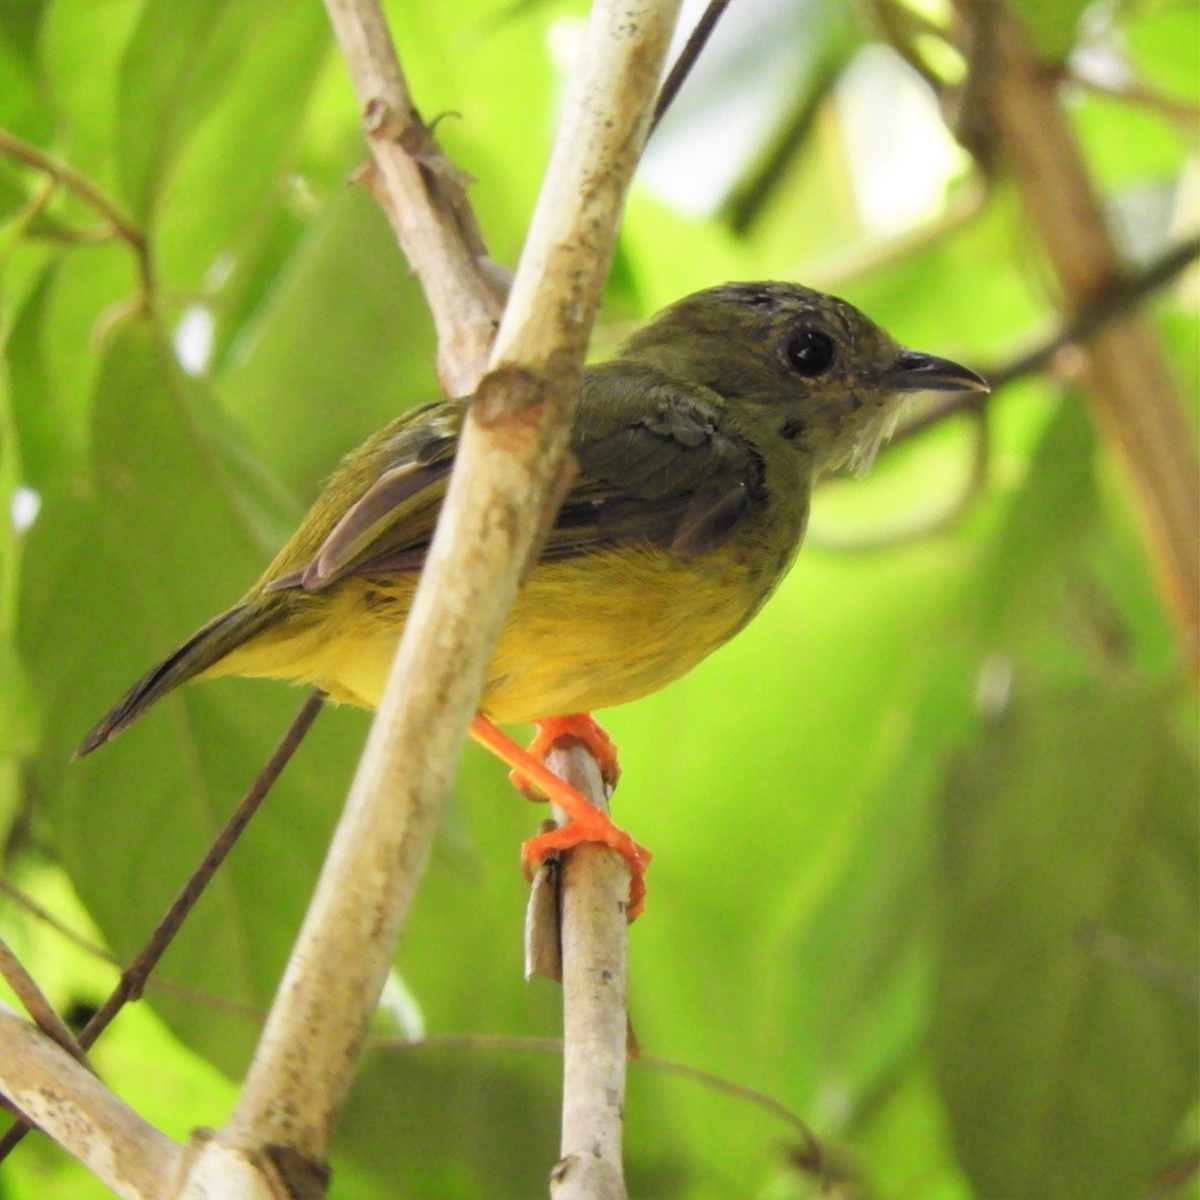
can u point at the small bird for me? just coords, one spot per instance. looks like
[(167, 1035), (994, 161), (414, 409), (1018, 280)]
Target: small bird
[(697, 448)]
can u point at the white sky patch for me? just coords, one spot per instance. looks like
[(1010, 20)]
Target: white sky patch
[(26, 504), (404, 1009), (900, 154), (194, 339), (732, 102)]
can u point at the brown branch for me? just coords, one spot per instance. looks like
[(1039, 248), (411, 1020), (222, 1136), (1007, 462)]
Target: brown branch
[(899, 26), (74, 181), (424, 197), (1121, 297), (1180, 112), (1133, 395), (26, 990)]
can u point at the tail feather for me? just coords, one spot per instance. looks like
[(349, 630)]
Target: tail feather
[(202, 650)]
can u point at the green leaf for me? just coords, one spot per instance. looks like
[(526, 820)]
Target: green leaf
[(1053, 23), (178, 62), (117, 572), (1064, 1027), (341, 345), (229, 180)]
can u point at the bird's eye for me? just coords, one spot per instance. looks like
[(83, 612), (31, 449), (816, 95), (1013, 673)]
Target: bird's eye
[(810, 352)]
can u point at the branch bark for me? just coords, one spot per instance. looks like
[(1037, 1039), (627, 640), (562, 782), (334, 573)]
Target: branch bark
[(65, 1099), (424, 197), (1134, 397), (595, 940), (510, 456)]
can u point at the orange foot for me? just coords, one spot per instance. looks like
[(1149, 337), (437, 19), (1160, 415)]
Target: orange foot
[(589, 731), (587, 823)]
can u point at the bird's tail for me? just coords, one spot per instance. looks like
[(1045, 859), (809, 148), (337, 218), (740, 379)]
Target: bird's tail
[(201, 651)]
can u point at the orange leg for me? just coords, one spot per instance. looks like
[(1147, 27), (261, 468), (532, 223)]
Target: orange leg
[(587, 823)]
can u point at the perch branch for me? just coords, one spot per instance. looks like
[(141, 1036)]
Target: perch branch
[(1134, 397), (595, 939), (510, 457), (65, 1099)]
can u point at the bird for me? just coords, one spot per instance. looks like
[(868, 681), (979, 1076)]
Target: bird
[(696, 446)]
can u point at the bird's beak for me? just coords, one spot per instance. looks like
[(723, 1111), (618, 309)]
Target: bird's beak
[(915, 372)]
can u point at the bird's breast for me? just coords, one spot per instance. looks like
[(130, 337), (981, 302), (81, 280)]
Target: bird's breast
[(611, 626)]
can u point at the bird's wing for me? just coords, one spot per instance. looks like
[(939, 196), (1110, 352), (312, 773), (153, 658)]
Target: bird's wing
[(655, 465), (395, 483)]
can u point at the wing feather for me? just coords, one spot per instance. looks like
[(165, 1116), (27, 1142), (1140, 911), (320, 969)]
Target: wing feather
[(656, 464)]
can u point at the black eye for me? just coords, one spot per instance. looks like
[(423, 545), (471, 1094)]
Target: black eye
[(809, 352)]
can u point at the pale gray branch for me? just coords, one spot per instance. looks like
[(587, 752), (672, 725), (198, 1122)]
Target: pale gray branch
[(595, 939), (66, 1100)]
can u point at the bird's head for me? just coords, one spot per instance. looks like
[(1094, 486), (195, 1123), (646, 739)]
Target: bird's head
[(810, 366)]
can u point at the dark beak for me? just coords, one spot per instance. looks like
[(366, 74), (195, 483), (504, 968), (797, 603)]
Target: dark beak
[(915, 372)]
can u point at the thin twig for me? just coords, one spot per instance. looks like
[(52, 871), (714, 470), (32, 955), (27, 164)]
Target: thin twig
[(1122, 296), (133, 979), (897, 24), (26, 990), (122, 224), (1178, 111), (688, 57), (595, 940)]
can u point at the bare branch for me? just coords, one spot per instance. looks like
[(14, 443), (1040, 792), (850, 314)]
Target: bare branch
[(1120, 297), (424, 197), (510, 456), (595, 939), (688, 57), (133, 979), (130, 1156), (26, 990)]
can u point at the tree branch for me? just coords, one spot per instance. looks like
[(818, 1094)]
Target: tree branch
[(66, 1100), (424, 197), (595, 940), (510, 456), (133, 979), (1134, 397), (25, 988)]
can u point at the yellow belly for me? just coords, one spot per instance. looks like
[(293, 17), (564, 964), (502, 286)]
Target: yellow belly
[(583, 633)]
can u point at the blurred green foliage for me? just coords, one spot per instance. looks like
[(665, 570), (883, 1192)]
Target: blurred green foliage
[(926, 832)]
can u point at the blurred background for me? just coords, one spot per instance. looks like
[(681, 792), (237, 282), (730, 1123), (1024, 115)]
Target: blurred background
[(926, 832)]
